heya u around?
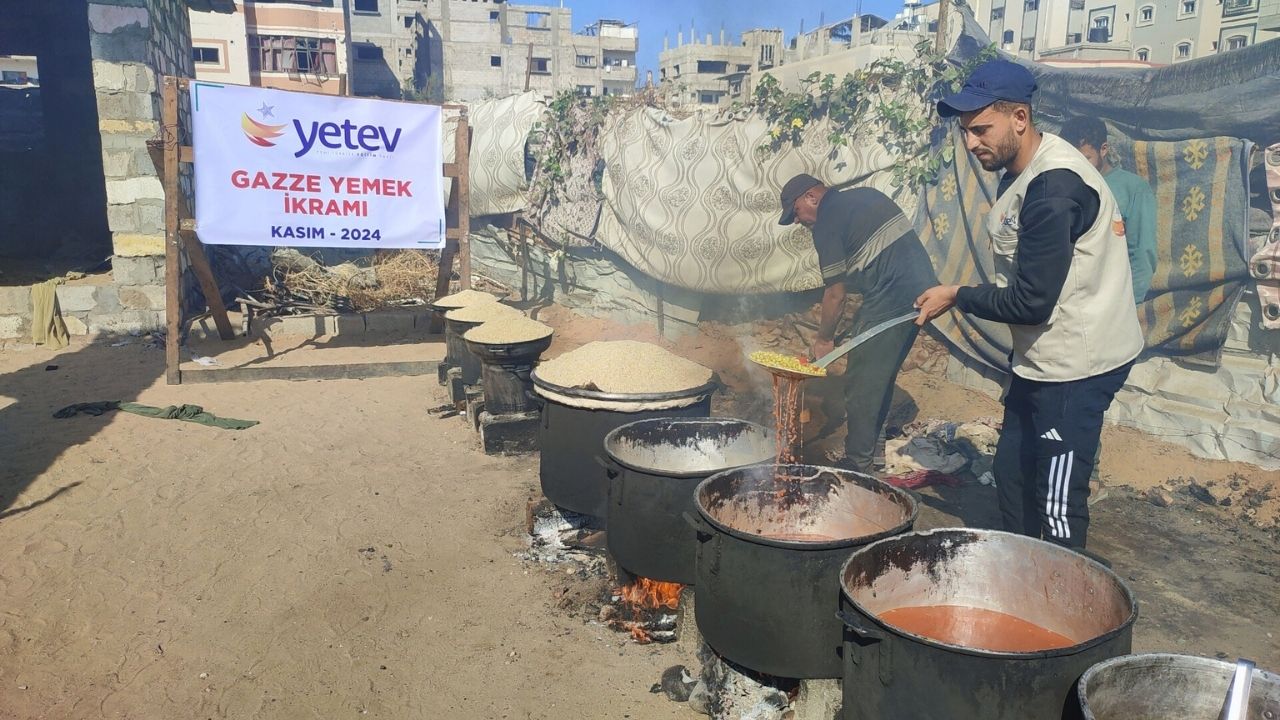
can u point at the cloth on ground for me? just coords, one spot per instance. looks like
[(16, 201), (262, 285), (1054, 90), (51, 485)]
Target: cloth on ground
[(47, 327), (918, 479), (188, 413)]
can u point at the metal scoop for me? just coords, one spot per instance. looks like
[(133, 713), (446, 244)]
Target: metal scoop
[(1237, 702), (844, 348)]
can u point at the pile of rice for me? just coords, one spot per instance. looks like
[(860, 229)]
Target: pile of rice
[(624, 367), (483, 312), (508, 330), (465, 298)]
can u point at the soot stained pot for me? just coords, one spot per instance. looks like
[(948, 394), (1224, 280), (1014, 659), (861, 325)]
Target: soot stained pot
[(654, 466), (771, 539), (893, 673), (572, 430), (1159, 686), (505, 373)]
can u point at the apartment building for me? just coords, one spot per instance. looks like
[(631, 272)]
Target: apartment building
[(715, 74), (1157, 32), (288, 45), (388, 48)]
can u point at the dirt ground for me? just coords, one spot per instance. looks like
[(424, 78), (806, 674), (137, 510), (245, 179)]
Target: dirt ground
[(353, 556)]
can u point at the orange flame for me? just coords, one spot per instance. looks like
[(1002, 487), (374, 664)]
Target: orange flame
[(650, 594)]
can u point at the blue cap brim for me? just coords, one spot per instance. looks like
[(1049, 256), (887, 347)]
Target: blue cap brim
[(962, 102)]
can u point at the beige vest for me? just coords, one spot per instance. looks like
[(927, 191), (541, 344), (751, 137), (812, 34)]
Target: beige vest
[(1094, 325)]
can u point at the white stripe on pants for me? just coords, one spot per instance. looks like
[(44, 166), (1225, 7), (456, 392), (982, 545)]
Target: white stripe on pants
[(1058, 488)]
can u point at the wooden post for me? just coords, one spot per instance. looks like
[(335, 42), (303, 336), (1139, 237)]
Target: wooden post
[(528, 68), (944, 14), (172, 238), (462, 157), (524, 259)]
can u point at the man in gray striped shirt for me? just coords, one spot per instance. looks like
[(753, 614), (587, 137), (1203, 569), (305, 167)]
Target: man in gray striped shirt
[(865, 246)]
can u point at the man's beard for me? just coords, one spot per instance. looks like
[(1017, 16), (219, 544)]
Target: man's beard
[(1001, 155)]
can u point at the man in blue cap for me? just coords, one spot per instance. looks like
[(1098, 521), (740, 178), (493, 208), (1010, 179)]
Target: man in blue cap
[(1063, 286), (865, 245)]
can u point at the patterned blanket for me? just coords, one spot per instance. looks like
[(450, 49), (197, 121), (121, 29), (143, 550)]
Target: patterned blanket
[(499, 131), (1201, 189)]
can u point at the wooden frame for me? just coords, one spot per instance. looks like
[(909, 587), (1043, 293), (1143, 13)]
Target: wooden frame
[(181, 232)]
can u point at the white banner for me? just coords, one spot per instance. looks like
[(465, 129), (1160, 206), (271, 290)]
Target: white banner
[(281, 168)]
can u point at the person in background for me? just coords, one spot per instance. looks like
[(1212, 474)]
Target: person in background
[(1063, 287), (867, 246), (1138, 208), (1133, 195)]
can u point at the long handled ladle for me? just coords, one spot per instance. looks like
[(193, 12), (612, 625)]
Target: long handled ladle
[(1237, 702)]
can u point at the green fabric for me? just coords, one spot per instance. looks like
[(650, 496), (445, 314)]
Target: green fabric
[(47, 327), (1138, 208), (188, 413)]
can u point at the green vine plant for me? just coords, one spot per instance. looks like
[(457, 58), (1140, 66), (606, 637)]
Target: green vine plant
[(891, 95), (570, 126)]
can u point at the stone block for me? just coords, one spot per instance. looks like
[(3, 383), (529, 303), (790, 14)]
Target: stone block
[(15, 300), (150, 216), (293, 325), (108, 75), (107, 298), (75, 325), (132, 298), (137, 270), (130, 190), (127, 244), (128, 322), (346, 324), (139, 77), (77, 298), (117, 163), (13, 326), (509, 434), (122, 218), (389, 322)]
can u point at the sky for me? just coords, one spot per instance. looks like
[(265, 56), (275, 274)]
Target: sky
[(665, 17)]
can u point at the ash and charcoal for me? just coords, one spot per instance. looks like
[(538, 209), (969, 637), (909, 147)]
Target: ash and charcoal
[(561, 537), (726, 691), (645, 625)]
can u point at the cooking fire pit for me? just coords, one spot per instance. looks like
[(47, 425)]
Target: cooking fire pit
[(771, 539)]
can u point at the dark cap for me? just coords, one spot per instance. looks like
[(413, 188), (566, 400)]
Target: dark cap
[(791, 192), (992, 81)]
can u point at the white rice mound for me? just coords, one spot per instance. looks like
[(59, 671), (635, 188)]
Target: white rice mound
[(623, 367), (464, 299), (483, 312), (508, 330)]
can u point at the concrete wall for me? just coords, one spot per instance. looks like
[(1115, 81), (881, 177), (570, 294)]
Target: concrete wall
[(398, 28), (225, 32)]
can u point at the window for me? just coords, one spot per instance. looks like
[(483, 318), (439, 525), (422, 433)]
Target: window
[(541, 66), (495, 61), (408, 21), (206, 56), (713, 67), (369, 6), (1027, 45), (368, 53), (766, 55), (1032, 5), (1147, 15), (1008, 37), (1102, 23), (586, 90), (1143, 54), (1183, 51), (744, 68), (585, 61), (707, 98), (997, 13), (280, 53), (1187, 8), (493, 15), (1237, 42), (13, 77), (1074, 38), (1237, 7), (538, 20)]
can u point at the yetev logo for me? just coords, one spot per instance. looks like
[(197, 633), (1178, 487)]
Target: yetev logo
[(261, 134)]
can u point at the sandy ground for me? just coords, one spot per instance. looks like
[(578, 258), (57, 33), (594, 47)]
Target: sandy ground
[(354, 557)]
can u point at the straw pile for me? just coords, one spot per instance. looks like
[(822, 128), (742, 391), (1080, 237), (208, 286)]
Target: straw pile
[(508, 331), (624, 367), (392, 278), (482, 313)]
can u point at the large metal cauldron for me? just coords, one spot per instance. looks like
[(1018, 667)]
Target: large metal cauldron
[(893, 673), (1160, 686), (571, 435), (767, 596), (654, 467)]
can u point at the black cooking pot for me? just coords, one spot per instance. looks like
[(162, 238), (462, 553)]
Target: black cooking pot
[(654, 466), (505, 372), (574, 424), (457, 352), (771, 539), (894, 673), (1160, 686)]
